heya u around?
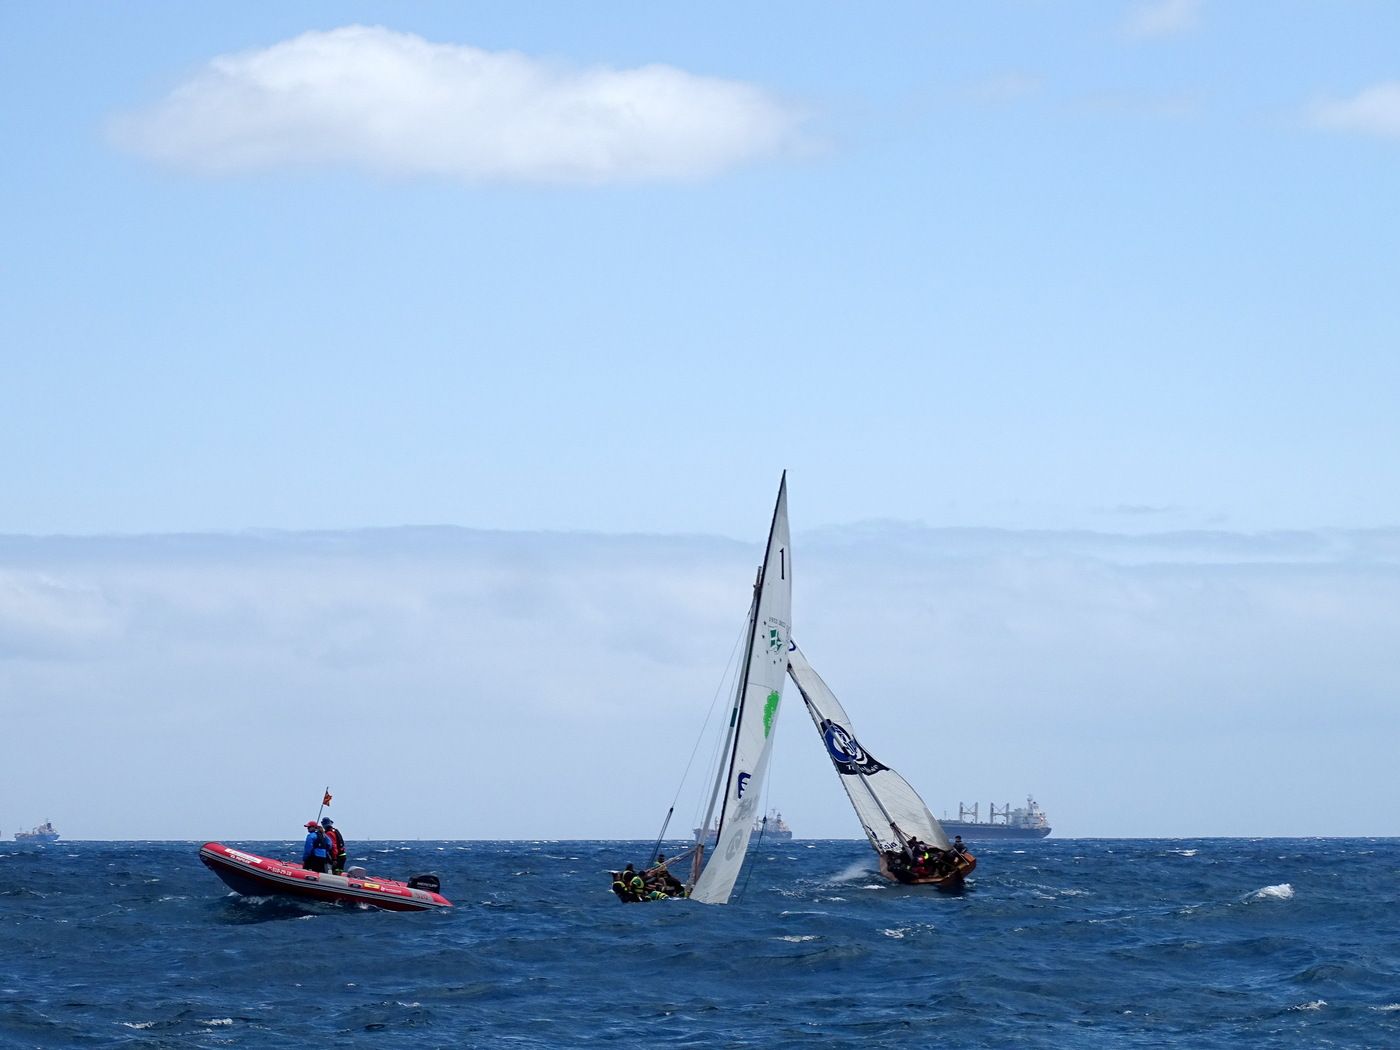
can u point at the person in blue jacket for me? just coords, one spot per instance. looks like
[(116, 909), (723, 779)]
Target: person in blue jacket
[(316, 852)]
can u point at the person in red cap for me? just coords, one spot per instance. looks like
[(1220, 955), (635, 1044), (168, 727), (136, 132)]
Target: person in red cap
[(316, 853)]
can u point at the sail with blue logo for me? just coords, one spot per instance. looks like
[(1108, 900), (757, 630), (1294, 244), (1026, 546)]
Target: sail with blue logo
[(890, 810), (738, 790)]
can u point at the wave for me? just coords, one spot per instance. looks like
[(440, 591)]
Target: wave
[(1282, 892)]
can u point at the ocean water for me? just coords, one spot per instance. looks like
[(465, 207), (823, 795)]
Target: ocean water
[(1059, 943)]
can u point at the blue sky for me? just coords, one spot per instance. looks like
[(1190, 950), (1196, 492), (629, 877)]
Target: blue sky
[(1024, 267), (1123, 267)]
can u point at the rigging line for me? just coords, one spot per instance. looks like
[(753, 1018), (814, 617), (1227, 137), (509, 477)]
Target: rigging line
[(719, 690)]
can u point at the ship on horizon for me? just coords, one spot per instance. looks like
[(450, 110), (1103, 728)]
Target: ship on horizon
[(770, 827), (1023, 822), (43, 833)]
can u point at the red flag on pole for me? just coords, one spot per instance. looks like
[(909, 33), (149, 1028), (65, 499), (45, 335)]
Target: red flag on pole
[(327, 800)]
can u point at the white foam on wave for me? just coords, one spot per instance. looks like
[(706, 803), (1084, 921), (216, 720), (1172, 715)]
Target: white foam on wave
[(799, 938), (218, 1022), (896, 934), (1388, 1008), (852, 872), (1316, 1004), (138, 1024), (1186, 852), (1282, 892)]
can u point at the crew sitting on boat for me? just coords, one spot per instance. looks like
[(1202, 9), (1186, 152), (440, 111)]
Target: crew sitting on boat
[(654, 884), (316, 851)]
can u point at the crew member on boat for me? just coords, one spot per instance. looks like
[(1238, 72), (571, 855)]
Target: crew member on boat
[(337, 843), (660, 876), (316, 851)]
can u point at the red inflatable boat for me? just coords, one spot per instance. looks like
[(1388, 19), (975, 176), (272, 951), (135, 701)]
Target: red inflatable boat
[(255, 876)]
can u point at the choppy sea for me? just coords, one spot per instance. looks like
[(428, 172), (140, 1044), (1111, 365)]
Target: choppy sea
[(1059, 943)]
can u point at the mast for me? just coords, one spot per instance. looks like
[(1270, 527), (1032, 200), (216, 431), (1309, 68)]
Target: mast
[(733, 738), (722, 774)]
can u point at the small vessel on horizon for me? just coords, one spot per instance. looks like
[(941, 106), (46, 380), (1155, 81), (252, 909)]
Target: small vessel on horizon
[(43, 833)]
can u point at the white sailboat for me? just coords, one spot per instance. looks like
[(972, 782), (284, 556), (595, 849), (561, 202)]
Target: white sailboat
[(737, 792), (911, 844)]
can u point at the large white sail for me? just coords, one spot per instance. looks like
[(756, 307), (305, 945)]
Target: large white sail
[(755, 714), (882, 798)]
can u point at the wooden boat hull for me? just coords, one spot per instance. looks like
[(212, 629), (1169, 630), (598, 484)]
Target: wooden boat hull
[(948, 881), (256, 876)]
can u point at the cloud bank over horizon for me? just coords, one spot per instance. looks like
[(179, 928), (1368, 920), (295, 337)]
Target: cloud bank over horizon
[(393, 103), (453, 683)]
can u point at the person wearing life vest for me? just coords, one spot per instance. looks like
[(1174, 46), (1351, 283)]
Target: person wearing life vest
[(661, 875), (337, 841), (619, 887), (316, 851)]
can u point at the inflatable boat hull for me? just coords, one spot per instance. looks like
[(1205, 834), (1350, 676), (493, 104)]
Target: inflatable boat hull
[(256, 876)]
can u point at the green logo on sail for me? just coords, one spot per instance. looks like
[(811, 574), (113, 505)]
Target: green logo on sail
[(770, 711), (774, 642)]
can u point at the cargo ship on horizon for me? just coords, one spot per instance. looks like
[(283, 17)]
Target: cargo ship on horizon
[(43, 833), (1003, 822)]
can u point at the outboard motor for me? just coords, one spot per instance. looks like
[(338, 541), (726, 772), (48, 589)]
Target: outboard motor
[(425, 882)]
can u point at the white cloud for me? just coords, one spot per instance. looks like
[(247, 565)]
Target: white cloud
[(394, 103), (1372, 111), (1162, 18)]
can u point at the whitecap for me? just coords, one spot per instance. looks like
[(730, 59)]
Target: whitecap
[(138, 1024), (896, 934), (1282, 892), (799, 938), (218, 1022), (1316, 1004), (1388, 1008), (1186, 852), (852, 872)]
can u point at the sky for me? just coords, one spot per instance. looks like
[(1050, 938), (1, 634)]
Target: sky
[(420, 374)]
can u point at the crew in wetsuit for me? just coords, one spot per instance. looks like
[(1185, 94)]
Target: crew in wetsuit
[(316, 851), (337, 841)]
